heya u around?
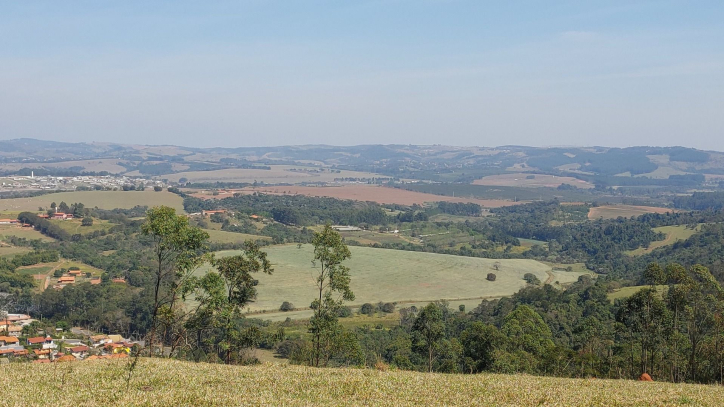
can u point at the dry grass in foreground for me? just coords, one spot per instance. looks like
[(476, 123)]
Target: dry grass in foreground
[(173, 383)]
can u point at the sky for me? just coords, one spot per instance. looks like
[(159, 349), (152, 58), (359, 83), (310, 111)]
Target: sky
[(264, 73)]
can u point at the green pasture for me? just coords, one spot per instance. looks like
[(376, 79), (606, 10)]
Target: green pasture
[(673, 234), (625, 292), (220, 236), (380, 275), (27, 233)]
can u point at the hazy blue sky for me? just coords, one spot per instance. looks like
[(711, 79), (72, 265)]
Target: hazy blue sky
[(236, 73)]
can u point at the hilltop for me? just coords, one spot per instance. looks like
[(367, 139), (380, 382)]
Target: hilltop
[(170, 382)]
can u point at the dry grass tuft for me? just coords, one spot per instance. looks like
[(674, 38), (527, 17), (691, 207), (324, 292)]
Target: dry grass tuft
[(159, 382)]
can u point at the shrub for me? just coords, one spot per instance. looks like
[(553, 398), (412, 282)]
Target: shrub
[(387, 307), (378, 326), (530, 278), (490, 277), (73, 268), (157, 188), (344, 312), (461, 307), (58, 273), (367, 309), (286, 306)]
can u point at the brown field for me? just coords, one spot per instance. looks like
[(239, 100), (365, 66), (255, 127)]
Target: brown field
[(364, 192), (626, 211), (540, 180), (101, 199), (278, 174)]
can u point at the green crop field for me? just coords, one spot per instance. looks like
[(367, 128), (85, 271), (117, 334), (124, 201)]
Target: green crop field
[(673, 234), (91, 199), (392, 276), (165, 382), (37, 269)]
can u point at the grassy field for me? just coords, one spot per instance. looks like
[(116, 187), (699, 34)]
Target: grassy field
[(673, 234), (626, 211), (392, 276), (162, 382), (73, 226), (531, 181), (91, 199), (626, 292), (27, 233), (220, 236), (10, 251), (278, 174)]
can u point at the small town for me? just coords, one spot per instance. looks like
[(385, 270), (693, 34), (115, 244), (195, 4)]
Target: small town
[(22, 338)]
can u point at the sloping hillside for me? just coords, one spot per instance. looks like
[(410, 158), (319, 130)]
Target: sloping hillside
[(174, 383)]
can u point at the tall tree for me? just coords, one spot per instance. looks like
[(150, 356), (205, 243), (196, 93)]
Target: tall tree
[(333, 283), (428, 329), (178, 250)]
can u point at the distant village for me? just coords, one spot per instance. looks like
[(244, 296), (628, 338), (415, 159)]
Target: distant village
[(80, 182), (22, 339)]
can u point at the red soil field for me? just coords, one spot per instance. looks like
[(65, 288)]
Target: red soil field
[(373, 193)]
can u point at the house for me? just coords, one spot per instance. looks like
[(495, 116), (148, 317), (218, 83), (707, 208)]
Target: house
[(99, 340), (9, 340), (8, 222), (66, 358), (119, 280), (66, 280), (75, 273), (14, 330), (79, 351), (95, 280), (42, 353), (38, 340), (62, 216)]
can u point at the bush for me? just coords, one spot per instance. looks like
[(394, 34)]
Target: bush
[(157, 188), (58, 273), (286, 306), (73, 268), (490, 277), (387, 307), (344, 312), (367, 309), (461, 307), (530, 278)]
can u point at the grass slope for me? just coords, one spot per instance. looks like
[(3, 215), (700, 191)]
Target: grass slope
[(673, 234), (160, 382), (391, 276)]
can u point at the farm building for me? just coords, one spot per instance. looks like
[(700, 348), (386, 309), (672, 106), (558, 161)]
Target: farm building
[(66, 280), (9, 221)]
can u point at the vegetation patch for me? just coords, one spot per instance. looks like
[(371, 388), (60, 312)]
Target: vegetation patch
[(162, 382), (381, 275), (91, 199), (625, 211), (673, 235)]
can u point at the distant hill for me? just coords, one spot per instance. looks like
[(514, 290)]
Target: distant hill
[(603, 166), (161, 382)]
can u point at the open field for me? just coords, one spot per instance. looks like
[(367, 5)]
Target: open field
[(163, 382), (673, 234), (221, 236), (626, 211), (364, 192), (10, 251), (27, 233), (91, 199), (73, 226), (626, 292), (380, 275), (525, 181), (111, 165), (278, 174)]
